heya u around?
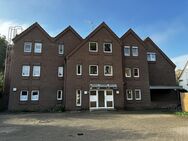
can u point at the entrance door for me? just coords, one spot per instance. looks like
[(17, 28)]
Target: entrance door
[(101, 99)]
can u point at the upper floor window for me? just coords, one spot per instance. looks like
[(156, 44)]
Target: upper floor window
[(129, 94), (136, 72), (61, 49), (38, 48), (78, 69), (27, 47), (108, 70), (151, 56), (78, 97), (25, 70), (134, 51), (60, 71), (93, 47), (59, 94), (107, 47), (36, 71), (137, 94), (93, 70), (127, 72), (34, 95), (126, 50), (24, 95)]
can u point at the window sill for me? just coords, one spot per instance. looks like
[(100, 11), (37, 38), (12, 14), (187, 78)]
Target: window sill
[(25, 77)]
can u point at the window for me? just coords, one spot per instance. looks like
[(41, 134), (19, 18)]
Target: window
[(59, 94), (25, 70), (129, 94), (151, 56), (136, 72), (61, 49), (126, 50), (107, 47), (27, 47), (78, 97), (60, 71), (127, 72), (108, 70), (93, 47), (36, 71), (38, 48), (35, 95), (134, 51), (78, 69), (24, 95), (137, 93), (93, 70)]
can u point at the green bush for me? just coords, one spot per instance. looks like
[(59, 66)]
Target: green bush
[(182, 113), (1, 81)]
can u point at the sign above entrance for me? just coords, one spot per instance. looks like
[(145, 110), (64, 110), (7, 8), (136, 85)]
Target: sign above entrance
[(103, 86)]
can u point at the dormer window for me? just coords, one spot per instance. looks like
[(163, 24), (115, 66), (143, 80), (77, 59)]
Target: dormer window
[(151, 56), (107, 47), (93, 47)]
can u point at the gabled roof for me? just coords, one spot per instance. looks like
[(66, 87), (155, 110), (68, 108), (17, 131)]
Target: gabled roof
[(29, 29), (130, 31), (162, 53), (183, 70), (69, 28), (102, 25)]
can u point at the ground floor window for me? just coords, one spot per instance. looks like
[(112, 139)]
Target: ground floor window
[(24, 95), (59, 94), (78, 97), (129, 94), (137, 93), (34, 95)]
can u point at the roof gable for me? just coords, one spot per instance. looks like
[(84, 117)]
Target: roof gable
[(186, 65), (160, 51), (102, 25), (35, 25), (69, 28)]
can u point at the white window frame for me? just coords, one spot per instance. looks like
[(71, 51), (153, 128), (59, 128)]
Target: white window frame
[(140, 94), (110, 48), (78, 92), (126, 73), (60, 68), (129, 53), (150, 56), (38, 50), (35, 98), (61, 49), (111, 70), (26, 44), (134, 72), (38, 69), (133, 54), (24, 98), (61, 94), (77, 67), (127, 96), (90, 70), (28, 70), (96, 47)]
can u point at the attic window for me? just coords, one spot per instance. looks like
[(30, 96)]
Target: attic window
[(151, 56), (27, 47), (93, 47), (107, 47)]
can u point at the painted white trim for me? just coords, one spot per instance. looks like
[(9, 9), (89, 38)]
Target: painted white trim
[(140, 94), (36, 68), (135, 47), (77, 69), (129, 53), (110, 48), (61, 49), (126, 73), (27, 73), (60, 71), (90, 70), (127, 94), (149, 56), (134, 72), (30, 44), (111, 67), (36, 98), (24, 98), (96, 47), (38, 47), (61, 94), (77, 95)]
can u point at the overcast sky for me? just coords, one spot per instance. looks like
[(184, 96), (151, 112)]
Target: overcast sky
[(165, 21)]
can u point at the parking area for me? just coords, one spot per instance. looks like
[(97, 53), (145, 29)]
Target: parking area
[(93, 126)]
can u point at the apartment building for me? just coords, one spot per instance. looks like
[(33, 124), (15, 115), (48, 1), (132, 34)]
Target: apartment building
[(101, 71)]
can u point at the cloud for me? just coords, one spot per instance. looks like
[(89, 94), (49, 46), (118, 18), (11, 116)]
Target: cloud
[(180, 61), (4, 26)]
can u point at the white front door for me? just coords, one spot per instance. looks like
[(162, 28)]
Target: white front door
[(101, 99)]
